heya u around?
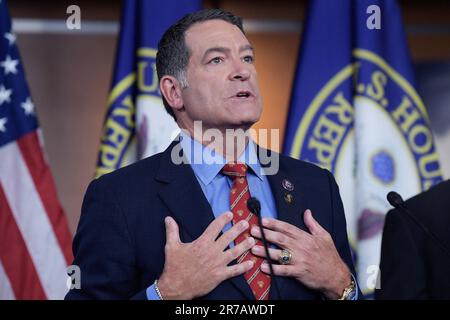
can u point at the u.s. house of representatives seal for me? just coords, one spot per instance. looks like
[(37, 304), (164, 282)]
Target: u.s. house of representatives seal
[(370, 128)]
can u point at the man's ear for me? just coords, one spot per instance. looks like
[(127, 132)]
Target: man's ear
[(171, 90)]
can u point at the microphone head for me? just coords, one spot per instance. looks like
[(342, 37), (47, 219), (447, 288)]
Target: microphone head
[(395, 199), (254, 205)]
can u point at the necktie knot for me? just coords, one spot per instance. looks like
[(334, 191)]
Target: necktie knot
[(234, 169)]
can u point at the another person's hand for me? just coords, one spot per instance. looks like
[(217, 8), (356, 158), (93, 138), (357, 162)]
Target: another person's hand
[(315, 261), (194, 269)]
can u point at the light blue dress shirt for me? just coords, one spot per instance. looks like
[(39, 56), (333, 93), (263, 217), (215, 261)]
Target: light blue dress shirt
[(207, 166), (217, 186)]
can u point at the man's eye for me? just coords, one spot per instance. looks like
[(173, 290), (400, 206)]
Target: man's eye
[(249, 59), (216, 60)]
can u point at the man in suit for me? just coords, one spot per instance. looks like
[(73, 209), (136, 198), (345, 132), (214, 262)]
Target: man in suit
[(415, 254), (165, 229)]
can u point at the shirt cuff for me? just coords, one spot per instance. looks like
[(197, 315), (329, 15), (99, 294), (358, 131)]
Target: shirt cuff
[(356, 287), (151, 293)]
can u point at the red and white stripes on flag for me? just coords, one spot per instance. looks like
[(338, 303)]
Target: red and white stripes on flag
[(35, 242)]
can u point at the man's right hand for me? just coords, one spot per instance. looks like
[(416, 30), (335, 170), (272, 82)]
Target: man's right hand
[(194, 269)]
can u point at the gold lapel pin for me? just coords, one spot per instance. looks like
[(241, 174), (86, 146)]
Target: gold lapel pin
[(289, 198)]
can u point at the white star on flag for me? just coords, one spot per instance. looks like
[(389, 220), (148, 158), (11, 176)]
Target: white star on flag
[(28, 106), (5, 95), (2, 124), (10, 37), (10, 65)]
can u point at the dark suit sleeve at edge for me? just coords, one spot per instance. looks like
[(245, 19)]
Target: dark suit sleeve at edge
[(103, 249), (401, 268)]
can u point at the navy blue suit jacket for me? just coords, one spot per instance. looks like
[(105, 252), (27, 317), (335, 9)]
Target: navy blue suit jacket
[(119, 243)]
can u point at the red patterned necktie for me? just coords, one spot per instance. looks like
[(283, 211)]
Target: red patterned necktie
[(258, 281)]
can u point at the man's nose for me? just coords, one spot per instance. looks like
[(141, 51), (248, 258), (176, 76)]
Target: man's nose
[(240, 71)]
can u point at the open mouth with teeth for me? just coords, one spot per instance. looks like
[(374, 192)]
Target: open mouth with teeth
[(243, 94)]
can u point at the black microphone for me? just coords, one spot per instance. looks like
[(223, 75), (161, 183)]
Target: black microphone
[(254, 206), (397, 202), (395, 199)]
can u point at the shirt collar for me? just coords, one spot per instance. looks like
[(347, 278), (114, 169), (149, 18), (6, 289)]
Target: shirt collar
[(206, 163)]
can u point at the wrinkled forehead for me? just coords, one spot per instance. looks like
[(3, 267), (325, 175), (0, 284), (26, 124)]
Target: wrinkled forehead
[(214, 33)]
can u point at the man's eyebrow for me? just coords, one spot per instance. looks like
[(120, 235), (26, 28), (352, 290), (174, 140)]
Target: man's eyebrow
[(225, 50), (215, 49), (247, 47)]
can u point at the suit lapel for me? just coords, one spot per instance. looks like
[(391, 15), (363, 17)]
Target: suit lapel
[(183, 196), (290, 207), (188, 205)]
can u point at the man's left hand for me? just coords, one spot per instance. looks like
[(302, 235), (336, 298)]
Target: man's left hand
[(315, 261)]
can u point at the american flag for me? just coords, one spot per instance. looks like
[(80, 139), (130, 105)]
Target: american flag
[(34, 236)]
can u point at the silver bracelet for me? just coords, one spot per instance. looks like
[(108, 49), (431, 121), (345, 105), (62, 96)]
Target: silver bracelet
[(157, 290)]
